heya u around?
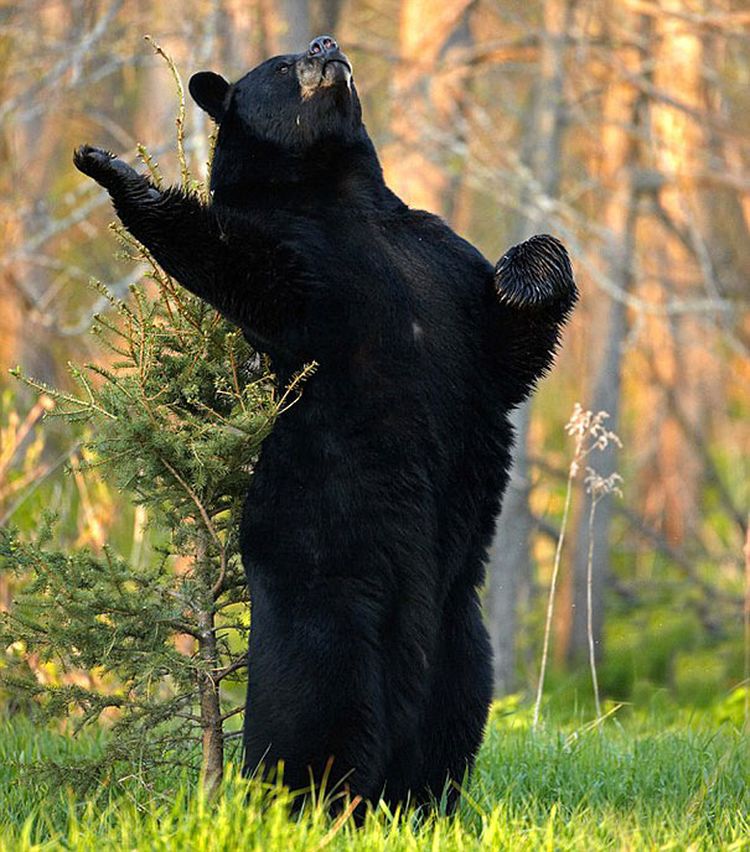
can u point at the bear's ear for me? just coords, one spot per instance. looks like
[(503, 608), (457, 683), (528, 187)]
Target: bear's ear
[(209, 91)]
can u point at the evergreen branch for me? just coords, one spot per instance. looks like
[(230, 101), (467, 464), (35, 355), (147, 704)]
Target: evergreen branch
[(216, 589), (81, 407), (189, 717), (80, 377), (113, 329), (239, 709), (297, 379), (118, 304), (110, 377), (151, 165), (180, 120), (238, 664)]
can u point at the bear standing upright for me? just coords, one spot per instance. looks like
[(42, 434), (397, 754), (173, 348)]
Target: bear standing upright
[(369, 514)]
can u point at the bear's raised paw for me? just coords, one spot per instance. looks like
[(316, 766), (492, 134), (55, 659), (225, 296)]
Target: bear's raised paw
[(103, 166), (536, 273)]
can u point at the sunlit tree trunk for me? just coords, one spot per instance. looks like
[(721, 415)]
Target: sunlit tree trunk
[(724, 212), (325, 16), (10, 308), (31, 169), (429, 85), (625, 125), (288, 25), (684, 363), (510, 556)]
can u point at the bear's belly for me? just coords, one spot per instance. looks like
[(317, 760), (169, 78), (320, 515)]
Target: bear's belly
[(338, 500)]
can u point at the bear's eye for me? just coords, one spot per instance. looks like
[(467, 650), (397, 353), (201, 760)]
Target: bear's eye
[(282, 68)]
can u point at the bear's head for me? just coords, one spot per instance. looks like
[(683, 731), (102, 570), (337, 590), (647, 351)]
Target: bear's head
[(293, 119)]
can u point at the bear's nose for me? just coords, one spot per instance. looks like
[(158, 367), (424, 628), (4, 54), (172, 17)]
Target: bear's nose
[(322, 46)]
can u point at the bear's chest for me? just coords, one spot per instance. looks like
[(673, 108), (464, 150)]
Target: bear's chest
[(389, 281)]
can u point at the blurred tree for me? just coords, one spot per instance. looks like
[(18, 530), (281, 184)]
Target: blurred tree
[(429, 87), (325, 16), (510, 566), (288, 25), (626, 127)]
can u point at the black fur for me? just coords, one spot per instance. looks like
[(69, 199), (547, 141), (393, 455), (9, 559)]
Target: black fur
[(373, 503)]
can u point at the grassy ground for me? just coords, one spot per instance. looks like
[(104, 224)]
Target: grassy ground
[(636, 783)]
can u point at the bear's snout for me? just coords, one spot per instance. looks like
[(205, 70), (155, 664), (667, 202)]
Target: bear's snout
[(322, 45), (322, 66)]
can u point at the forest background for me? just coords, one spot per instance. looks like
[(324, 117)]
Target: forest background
[(621, 127)]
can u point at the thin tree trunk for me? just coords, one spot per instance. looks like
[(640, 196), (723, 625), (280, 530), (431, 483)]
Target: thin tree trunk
[(325, 16), (510, 554), (426, 102), (288, 25), (212, 764), (690, 63), (626, 118), (510, 561), (606, 397)]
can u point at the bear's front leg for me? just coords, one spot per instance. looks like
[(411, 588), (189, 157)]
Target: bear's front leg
[(174, 226), (181, 233), (535, 294), (236, 265)]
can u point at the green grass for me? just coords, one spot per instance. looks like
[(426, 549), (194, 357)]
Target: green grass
[(639, 783)]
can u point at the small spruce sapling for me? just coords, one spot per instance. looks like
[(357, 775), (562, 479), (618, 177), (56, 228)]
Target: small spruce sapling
[(176, 418)]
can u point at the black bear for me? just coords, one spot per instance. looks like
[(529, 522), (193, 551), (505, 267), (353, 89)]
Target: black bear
[(371, 508)]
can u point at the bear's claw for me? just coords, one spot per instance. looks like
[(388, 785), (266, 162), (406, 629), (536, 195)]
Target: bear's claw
[(90, 160), (535, 273), (103, 166)]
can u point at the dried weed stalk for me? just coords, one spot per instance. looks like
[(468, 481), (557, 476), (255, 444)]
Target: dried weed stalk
[(597, 486), (589, 433)]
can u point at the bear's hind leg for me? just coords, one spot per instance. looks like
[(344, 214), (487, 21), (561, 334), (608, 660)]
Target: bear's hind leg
[(314, 702), (459, 704)]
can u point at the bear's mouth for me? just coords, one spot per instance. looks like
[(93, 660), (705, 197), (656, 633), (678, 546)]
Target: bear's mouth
[(314, 73), (339, 60), (336, 70)]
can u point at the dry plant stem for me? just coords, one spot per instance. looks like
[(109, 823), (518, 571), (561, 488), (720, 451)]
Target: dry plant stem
[(590, 434), (40, 478), (552, 591), (78, 406), (16, 436), (340, 821), (590, 608)]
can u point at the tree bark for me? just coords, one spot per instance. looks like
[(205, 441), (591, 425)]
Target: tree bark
[(626, 120), (510, 561), (325, 16), (288, 25), (689, 62), (212, 764), (426, 102), (606, 397)]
